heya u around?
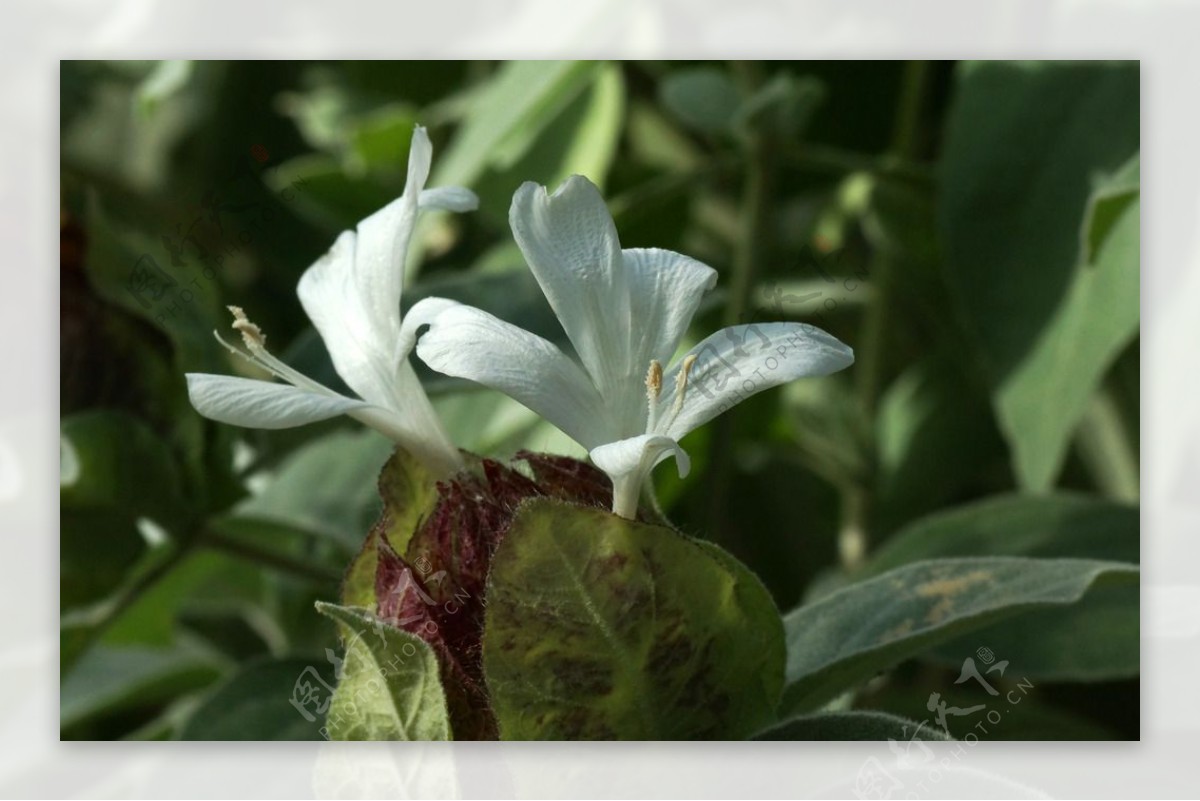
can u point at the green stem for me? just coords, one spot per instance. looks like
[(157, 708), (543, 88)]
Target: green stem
[(871, 369), (270, 559), (1107, 448), (98, 618), (825, 159), (753, 243)]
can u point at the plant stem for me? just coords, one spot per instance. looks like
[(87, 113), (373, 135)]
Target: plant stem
[(268, 558), (753, 243), (870, 371), (98, 618), (825, 159), (1107, 448)]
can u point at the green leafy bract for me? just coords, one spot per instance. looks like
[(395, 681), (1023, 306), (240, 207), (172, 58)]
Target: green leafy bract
[(599, 627)]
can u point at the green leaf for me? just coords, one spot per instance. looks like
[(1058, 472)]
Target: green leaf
[(409, 493), (580, 139), (117, 479), (935, 432), (113, 461), (1075, 526), (317, 186), (379, 141), (599, 627), (326, 487), (152, 612), (703, 98), (841, 640), (166, 80), (1107, 204), (139, 274), (1031, 718), (1097, 638), (854, 725), (507, 116), (256, 704), (1024, 148), (389, 688), (783, 106), (110, 680)]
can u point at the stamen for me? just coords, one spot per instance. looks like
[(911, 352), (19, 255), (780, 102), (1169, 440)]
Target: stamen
[(681, 380), (680, 389), (653, 390), (256, 344), (252, 335)]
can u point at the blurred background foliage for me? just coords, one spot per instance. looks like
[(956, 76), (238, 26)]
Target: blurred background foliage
[(970, 229)]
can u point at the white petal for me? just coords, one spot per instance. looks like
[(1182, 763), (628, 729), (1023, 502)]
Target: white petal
[(468, 343), (639, 455), (569, 240), (263, 404), (449, 198), (665, 289), (628, 463), (352, 294), (737, 362), (420, 156), (422, 313), (359, 339)]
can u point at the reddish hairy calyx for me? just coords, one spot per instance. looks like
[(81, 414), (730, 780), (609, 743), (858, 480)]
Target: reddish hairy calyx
[(436, 588)]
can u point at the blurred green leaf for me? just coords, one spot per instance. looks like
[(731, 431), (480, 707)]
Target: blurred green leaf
[(97, 548), (137, 273), (581, 139), (326, 487), (113, 462), (112, 135), (520, 100), (110, 680), (853, 725), (1025, 145), (782, 107), (1108, 204), (841, 640), (389, 688), (935, 434), (152, 618), (318, 187), (379, 142), (1073, 526), (704, 98), (571, 650), (168, 78), (255, 703)]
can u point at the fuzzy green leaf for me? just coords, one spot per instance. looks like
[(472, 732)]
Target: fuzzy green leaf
[(603, 628), (845, 638), (389, 688)]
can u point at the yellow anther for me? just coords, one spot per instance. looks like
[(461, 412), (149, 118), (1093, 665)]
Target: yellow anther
[(251, 334), (682, 378), (654, 381)]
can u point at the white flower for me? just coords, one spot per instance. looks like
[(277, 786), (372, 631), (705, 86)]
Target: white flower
[(625, 312), (352, 295)]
